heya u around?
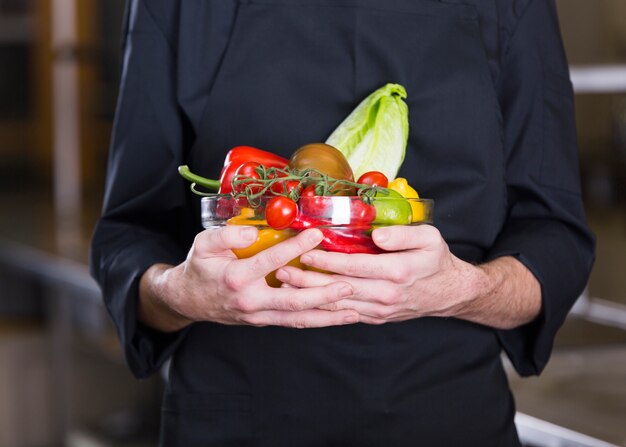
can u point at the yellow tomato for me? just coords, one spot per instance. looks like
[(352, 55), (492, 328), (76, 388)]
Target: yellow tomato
[(402, 186)]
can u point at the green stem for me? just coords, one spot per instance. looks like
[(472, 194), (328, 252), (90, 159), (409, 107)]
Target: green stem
[(213, 185)]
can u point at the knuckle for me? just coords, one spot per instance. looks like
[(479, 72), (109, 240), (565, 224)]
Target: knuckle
[(352, 268), (270, 258), (234, 305), (433, 235), (381, 313), (233, 280), (222, 236), (301, 244), (398, 273), (275, 258), (241, 304), (299, 323), (211, 240), (291, 305), (387, 298), (331, 305)]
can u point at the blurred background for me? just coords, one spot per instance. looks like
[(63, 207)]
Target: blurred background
[(63, 381)]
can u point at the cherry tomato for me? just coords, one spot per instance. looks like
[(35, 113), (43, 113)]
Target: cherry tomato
[(225, 208), (286, 187), (248, 170), (277, 174), (309, 191), (374, 178), (280, 212)]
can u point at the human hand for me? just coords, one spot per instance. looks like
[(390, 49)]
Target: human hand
[(213, 285), (418, 277)]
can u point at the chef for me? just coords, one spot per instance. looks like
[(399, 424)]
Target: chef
[(397, 349)]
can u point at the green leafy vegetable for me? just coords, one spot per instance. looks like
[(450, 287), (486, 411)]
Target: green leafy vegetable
[(374, 136)]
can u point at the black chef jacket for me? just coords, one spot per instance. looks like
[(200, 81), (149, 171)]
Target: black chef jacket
[(492, 141)]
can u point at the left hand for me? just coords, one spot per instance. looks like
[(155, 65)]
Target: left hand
[(418, 277)]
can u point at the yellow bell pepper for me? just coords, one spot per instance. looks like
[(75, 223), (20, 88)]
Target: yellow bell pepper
[(247, 216), (402, 186), (267, 238)]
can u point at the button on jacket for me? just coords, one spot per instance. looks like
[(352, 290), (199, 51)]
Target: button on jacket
[(492, 141)]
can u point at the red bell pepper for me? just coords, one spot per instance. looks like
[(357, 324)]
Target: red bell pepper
[(348, 240), (316, 212), (242, 154), (234, 159)]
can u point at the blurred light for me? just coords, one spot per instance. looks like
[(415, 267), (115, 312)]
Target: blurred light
[(599, 79)]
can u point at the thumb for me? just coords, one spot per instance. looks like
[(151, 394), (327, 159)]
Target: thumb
[(407, 237), (226, 238)]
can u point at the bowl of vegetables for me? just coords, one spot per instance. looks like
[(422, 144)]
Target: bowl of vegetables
[(346, 222), (342, 187), (313, 189)]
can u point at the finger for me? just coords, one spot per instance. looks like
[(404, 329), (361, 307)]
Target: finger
[(304, 319), (294, 277), (404, 237), (373, 293), (365, 309), (272, 258), (373, 321), (209, 242), (394, 267), (293, 299)]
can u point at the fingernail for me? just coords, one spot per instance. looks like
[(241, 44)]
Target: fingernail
[(282, 275), (248, 234), (315, 236), (306, 259), (381, 235)]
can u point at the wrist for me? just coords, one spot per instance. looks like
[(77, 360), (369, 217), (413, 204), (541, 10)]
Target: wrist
[(489, 279), (504, 294), (479, 283), (482, 281), (159, 298)]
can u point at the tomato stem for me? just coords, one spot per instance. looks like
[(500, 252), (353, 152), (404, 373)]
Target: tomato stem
[(253, 189)]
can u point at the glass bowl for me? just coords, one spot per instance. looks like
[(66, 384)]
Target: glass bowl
[(345, 221)]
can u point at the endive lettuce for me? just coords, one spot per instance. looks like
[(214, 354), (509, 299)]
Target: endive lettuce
[(374, 136)]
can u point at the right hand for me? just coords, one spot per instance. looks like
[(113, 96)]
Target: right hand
[(213, 285)]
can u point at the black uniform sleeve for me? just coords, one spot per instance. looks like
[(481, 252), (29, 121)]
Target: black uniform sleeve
[(545, 228), (144, 196)]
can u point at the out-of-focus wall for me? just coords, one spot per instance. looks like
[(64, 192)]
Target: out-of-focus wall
[(594, 32)]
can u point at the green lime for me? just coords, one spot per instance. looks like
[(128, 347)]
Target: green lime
[(391, 208)]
